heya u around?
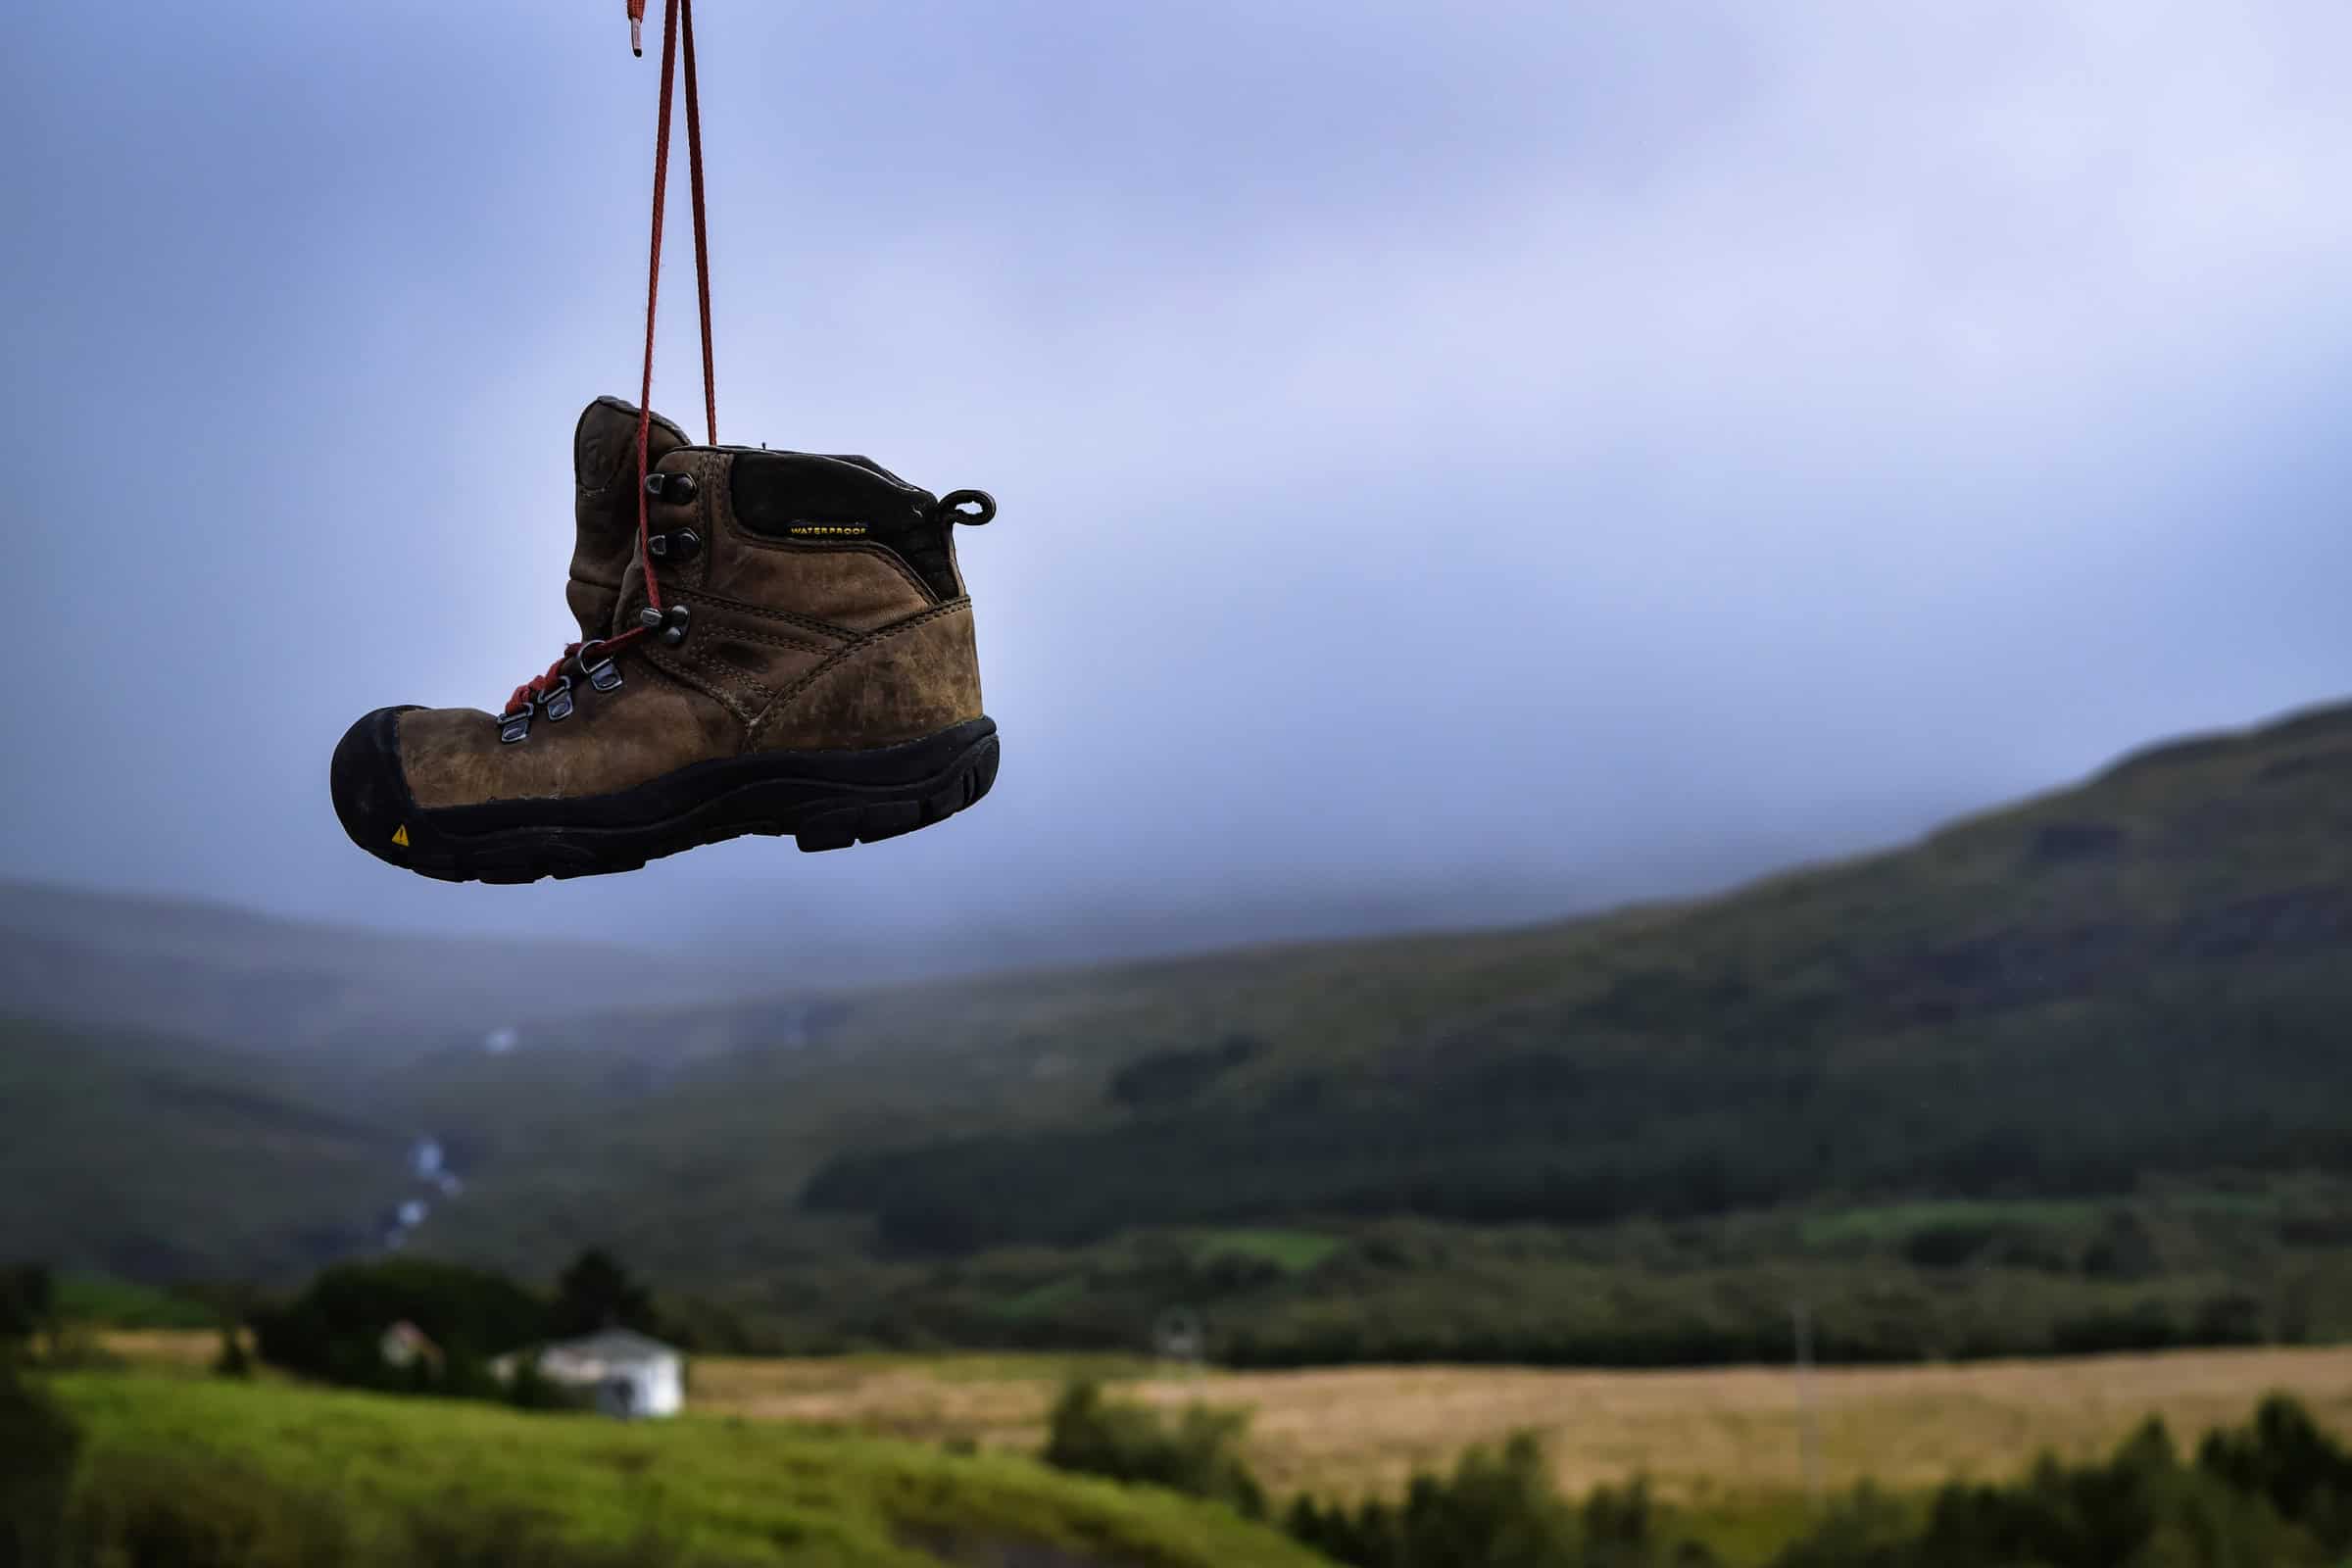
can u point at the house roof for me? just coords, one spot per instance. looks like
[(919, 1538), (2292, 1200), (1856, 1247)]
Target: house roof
[(614, 1345)]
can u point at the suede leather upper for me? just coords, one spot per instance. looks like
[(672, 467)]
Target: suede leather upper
[(824, 642), (604, 469)]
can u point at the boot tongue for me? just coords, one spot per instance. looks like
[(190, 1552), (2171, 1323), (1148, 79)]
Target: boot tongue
[(603, 467)]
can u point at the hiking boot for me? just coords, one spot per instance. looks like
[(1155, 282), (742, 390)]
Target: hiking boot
[(811, 672)]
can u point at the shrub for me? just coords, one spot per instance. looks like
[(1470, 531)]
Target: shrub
[(1498, 1509), (1865, 1529), (28, 1300), (1949, 1244), (333, 1330), (596, 1292), (1173, 1077), (1198, 1455), (2274, 1494), (2285, 1458), (232, 1362), (530, 1388), (37, 1446)]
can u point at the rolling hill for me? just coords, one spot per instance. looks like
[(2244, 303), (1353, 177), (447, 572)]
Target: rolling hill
[(112, 961), (2149, 974), (2139, 985), (191, 1471), (162, 1158)]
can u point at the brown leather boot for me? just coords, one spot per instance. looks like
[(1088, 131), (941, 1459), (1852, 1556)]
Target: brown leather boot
[(603, 477), (811, 672)]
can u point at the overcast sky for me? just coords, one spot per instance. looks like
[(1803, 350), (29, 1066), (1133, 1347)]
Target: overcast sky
[(1585, 446)]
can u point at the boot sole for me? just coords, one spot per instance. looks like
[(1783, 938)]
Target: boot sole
[(822, 800)]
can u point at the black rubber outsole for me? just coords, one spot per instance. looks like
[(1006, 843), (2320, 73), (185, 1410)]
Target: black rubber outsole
[(822, 800)]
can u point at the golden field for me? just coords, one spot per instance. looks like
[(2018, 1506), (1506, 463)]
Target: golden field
[(1697, 1435)]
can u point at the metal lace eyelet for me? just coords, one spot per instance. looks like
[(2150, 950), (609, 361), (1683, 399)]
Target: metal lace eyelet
[(603, 674), (515, 725)]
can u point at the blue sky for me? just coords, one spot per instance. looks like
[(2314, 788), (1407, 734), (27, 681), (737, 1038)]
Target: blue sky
[(1518, 452)]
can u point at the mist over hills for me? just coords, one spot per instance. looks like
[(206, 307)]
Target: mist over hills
[(218, 973), (930, 935)]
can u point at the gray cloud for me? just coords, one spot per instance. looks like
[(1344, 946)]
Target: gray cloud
[(1561, 447)]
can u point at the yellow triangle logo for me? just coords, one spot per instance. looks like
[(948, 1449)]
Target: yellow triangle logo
[(400, 835)]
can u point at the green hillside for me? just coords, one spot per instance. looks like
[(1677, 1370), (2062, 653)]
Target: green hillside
[(292, 1475), (2071, 1075), (2067, 1076), (2147, 975), (163, 1159)]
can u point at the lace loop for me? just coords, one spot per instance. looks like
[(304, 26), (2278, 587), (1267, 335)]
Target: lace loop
[(678, 22)]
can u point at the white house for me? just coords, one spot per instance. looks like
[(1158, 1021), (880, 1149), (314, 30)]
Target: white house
[(624, 1373)]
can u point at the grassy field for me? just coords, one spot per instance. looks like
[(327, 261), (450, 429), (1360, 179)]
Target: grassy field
[(1292, 1251), (709, 1487), (1883, 1222), (123, 1305), (846, 1459), (1704, 1438), (1696, 1435)]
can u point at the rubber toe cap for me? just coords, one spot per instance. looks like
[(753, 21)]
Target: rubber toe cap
[(372, 792)]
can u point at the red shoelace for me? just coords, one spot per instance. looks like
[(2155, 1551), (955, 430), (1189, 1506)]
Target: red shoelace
[(677, 19)]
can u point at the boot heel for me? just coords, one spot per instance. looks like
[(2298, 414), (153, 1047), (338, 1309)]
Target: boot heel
[(940, 798)]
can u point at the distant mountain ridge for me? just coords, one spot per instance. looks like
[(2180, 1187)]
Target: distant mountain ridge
[(212, 971)]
